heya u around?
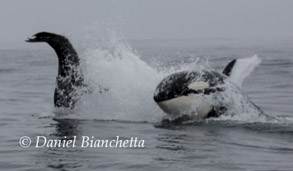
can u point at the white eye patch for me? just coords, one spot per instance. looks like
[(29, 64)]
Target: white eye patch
[(198, 85)]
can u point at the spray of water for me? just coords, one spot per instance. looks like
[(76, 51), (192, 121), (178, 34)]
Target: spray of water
[(122, 87)]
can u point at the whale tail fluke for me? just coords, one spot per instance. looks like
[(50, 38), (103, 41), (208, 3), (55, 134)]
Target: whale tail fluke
[(70, 78), (238, 69)]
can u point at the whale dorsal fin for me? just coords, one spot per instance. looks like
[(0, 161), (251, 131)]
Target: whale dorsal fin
[(238, 69), (229, 67)]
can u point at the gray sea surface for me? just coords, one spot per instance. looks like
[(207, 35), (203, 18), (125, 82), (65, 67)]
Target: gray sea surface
[(132, 71)]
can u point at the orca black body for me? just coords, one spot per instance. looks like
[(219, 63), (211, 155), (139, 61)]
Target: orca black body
[(178, 92), (178, 84), (187, 92), (69, 81)]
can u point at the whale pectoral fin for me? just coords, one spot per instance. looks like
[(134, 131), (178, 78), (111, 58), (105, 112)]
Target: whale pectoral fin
[(176, 121), (238, 69), (216, 112)]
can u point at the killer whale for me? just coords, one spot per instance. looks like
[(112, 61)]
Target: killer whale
[(69, 81), (185, 95)]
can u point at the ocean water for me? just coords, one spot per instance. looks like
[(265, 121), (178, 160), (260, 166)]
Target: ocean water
[(131, 71)]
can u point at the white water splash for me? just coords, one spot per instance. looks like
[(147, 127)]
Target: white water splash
[(243, 68), (122, 86), (127, 84)]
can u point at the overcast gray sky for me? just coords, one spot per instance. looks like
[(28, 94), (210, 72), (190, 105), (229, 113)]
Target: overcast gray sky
[(149, 19)]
